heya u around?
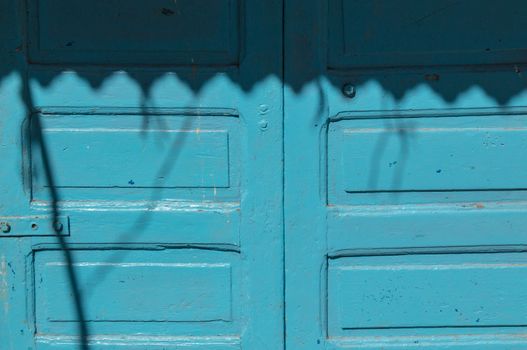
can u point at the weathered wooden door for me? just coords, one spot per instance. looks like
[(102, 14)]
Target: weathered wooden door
[(405, 174), (150, 134)]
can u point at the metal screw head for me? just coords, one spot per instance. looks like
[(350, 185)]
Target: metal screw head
[(349, 90), (5, 227), (58, 226), (263, 109), (263, 124)]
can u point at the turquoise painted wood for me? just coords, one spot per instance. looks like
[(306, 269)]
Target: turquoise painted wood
[(281, 174), (152, 132), (405, 175)]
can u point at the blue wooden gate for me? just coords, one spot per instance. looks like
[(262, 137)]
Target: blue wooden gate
[(244, 174)]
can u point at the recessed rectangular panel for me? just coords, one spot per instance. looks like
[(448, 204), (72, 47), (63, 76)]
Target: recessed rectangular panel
[(134, 31), (135, 287), (398, 157), (427, 291), (128, 153), (119, 158), (434, 32)]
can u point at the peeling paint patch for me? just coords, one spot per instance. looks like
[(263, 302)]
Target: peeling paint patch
[(4, 285)]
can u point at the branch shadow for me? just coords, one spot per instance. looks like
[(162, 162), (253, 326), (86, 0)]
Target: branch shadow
[(38, 143)]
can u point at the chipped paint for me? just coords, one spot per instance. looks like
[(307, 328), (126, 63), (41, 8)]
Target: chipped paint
[(4, 286)]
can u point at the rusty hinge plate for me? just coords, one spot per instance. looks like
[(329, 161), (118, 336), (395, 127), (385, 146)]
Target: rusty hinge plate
[(25, 226)]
